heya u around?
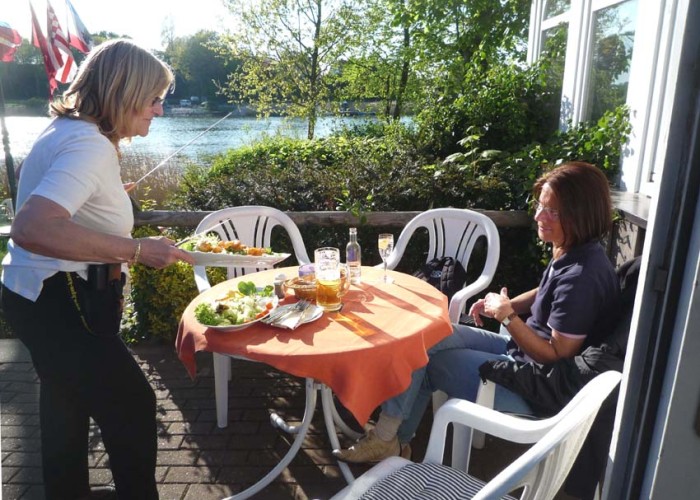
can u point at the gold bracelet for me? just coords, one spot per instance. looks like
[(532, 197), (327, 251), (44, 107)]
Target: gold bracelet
[(137, 253)]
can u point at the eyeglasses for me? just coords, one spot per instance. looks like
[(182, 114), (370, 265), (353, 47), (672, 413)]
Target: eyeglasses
[(552, 213), (157, 101)]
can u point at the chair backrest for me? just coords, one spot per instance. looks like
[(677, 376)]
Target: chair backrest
[(253, 226), (544, 467), (454, 232)]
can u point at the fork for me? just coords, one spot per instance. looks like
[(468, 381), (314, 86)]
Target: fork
[(299, 306)]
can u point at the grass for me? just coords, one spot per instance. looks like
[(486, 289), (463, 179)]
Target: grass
[(156, 188)]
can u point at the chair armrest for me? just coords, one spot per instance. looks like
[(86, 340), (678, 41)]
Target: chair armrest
[(487, 420), (460, 298)]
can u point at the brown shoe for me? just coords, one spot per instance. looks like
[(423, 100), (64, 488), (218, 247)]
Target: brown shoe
[(369, 449)]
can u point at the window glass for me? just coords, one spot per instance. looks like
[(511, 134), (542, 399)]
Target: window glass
[(613, 30), (554, 53), (555, 7)]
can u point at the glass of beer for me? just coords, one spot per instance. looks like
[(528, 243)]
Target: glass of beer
[(331, 278)]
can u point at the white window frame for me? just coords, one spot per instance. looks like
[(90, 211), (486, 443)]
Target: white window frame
[(650, 96), (653, 70)]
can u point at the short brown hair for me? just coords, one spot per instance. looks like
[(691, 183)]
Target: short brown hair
[(117, 79), (585, 207)]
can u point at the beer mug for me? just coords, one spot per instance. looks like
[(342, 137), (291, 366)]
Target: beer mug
[(331, 278)]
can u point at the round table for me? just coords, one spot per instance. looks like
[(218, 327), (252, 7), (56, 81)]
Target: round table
[(365, 353)]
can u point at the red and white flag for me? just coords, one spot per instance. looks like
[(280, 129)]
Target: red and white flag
[(58, 41), (54, 47), (51, 63), (9, 41), (79, 36)]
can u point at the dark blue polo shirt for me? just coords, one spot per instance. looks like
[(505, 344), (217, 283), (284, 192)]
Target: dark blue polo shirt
[(579, 296)]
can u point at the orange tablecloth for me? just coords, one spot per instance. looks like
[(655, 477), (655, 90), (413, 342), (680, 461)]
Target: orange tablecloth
[(365, 353)]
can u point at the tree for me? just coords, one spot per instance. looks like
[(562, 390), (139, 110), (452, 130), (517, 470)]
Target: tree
[(421, 51), (452, 35), (459, 46), (167, 30), (383, 61), (288, 48), (199, 68)]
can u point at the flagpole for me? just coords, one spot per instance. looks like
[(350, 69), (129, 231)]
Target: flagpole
[(9, 163)]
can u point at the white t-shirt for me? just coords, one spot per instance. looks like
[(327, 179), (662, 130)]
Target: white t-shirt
[(72, 164)]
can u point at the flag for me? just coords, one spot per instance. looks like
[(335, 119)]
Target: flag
[(58, 43), (51, 48), (51, 63), (79, 35), (9, 41)]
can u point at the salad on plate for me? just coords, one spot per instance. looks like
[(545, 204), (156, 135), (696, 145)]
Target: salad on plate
[(239, 308)]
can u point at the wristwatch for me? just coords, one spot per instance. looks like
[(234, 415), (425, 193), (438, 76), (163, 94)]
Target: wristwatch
[(506, 321)]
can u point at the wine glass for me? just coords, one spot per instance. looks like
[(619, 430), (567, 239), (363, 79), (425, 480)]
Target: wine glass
[(385, 245)]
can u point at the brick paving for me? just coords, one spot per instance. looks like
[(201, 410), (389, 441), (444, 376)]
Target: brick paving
[(196, 459)]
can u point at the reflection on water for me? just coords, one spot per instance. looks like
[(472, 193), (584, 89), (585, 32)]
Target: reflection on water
[(167, 134)]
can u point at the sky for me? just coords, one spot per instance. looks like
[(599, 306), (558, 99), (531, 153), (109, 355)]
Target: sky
[(142, 20)]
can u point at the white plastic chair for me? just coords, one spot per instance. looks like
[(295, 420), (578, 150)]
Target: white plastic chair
[(541, 470), (253, 226), (487, 391), (454, 232)]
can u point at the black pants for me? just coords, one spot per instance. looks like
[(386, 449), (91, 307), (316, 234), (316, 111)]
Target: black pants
[(83, 376)]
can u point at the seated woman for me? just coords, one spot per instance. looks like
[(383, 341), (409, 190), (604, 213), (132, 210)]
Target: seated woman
[(572, 307)]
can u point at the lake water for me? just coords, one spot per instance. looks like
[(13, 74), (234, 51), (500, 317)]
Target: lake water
[(168, 134)]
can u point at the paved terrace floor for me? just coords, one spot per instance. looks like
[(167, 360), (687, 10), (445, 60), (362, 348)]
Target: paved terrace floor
[(196, 459)]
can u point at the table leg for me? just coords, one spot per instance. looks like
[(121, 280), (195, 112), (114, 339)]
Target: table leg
[(300, 432), (344, 428), (222, 373), (330, 415)]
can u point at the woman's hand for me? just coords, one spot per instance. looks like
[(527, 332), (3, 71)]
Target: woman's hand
[(497, 305), (160, 252), (476, 311)]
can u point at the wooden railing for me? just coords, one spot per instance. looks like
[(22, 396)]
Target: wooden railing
[(625, 242)]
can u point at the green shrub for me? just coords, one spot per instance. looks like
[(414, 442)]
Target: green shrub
[(303, 175), (502, 180), (511, 106), (159, 297)]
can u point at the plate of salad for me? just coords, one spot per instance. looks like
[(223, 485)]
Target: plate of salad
[(210, 250), (237, 308)]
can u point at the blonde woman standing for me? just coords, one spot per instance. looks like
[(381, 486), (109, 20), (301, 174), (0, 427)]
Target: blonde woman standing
[(65, 269)]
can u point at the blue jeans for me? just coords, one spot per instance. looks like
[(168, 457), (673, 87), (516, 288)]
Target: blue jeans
[(453, 367)]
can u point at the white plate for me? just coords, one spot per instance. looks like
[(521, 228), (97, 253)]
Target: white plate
[(235, 328), (314, 315), (231, 259)]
